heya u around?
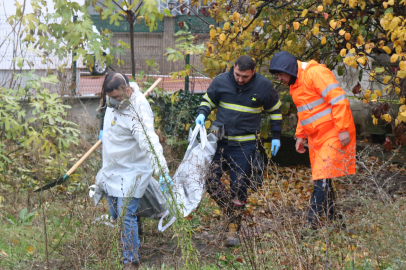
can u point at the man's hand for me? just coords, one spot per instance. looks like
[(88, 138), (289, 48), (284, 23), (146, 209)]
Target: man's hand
[(200, 119), (165, 181), (275, 146), (344, 138), (300, 145)]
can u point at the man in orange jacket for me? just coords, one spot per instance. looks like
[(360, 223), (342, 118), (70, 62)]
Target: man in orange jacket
[(325, 119)]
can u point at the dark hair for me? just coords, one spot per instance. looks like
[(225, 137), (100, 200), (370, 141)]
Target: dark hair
[(245, 62), (112, 81)]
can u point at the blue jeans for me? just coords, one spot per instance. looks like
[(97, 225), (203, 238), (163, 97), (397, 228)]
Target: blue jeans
[(129, 237)]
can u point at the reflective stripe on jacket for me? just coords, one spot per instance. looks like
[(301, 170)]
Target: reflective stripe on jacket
[(240, 107)]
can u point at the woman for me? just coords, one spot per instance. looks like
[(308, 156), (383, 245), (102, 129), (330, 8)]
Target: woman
[(131, 155)]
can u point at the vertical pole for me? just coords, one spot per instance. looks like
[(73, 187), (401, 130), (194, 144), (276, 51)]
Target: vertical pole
[(75, 18), (187, 62)]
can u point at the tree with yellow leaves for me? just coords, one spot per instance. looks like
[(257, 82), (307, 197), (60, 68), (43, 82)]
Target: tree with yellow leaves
[(343, 34)]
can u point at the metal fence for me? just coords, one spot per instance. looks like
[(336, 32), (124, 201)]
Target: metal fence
[(148, 45)]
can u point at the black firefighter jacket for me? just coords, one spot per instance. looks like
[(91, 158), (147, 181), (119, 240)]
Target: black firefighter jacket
[(240, 107)]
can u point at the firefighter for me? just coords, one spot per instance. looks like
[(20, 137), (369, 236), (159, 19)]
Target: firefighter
[(325, 120), (240, 96)]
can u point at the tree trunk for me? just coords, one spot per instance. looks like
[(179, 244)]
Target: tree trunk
[(131, 22)]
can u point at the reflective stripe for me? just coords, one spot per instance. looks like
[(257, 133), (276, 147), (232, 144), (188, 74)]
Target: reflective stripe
[(241, 138), (275, 107), (206, 97), (337, 99), (276, 116), (328, 88), (310, 106), (237, 202), (240, 108), (315, 117), (203, 103)]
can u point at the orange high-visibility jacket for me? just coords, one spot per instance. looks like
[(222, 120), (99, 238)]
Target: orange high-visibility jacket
[(323, 112)]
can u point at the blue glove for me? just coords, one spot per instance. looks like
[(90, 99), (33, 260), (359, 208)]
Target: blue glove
[(164, 182), (200, 119), (101, 134), (275, 146)]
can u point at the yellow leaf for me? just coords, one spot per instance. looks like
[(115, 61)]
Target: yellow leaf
[(343, 52), (341, 32), (207, 124), (218, 29), (387, 49), (360, 41), (187, 126), (280, 28), (320, 8), (236, 16), (402, 108), (305, 21), (402, 65), (386, 79), (347, 36), (212, 33), (394, 58), (391, 2), (363, 4), (365, 101), (398, 49), (296, 25), (385, 4), (323, 40), (401, 74), (30, 249), (333, 24), (352, 51), (236, 30), (374, 97), (315, 30), (397, 90), (378, 93), (361, 60), (288, 42), (226, 26), (348, 45), (223, 37), (304, 12)]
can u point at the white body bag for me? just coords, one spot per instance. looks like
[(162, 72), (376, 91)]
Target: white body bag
[(190, 176)]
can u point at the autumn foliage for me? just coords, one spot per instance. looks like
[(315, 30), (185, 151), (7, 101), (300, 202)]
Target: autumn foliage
[(365, 35)]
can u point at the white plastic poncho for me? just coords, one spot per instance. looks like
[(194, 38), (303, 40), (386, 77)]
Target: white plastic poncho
[(128, 162)]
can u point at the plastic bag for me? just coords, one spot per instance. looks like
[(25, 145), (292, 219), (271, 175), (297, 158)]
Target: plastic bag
[(189, 178)]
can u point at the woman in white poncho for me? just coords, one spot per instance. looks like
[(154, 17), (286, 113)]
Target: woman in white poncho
[(128, 160)]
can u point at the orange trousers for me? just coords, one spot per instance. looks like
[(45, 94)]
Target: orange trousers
[(328, 157)]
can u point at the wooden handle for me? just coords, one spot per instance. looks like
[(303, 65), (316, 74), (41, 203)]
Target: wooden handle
[(83, 158), (152, 87)]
